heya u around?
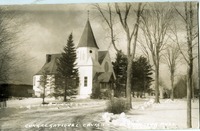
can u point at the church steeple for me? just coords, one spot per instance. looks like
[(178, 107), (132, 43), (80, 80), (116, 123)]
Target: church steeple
[(87, 38)]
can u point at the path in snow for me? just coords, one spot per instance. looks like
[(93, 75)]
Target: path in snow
[(59, 117), (87, 115)]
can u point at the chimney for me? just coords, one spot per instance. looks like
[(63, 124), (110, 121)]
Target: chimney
[(48, 58)]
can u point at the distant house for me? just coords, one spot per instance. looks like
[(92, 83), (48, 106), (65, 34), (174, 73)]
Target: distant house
[(51, 66), (94, 66), (15, 90)]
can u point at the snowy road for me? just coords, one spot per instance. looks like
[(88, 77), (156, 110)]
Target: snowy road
[(56, 118), (87, 116)]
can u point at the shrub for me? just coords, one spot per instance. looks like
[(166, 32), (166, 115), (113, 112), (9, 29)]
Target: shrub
[(105, 94), (117, 105), (95, 92)]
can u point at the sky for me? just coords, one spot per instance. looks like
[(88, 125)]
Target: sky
[(44, 29), (18, 2)]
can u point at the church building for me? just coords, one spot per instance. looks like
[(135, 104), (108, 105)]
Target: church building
[(94, 66)]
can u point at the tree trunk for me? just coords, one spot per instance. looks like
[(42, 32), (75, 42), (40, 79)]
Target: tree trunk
[(128, 83), (189, 96), (193, 96), (189, 121), (43, 96), (157, 84), (65, 92), (172, 86), (189, 27)]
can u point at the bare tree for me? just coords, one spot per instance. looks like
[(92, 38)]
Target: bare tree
[(43, 84), (130, 30), (155, 25), (170, 57), (6, 45), (9, 28), (189, 19), (47, 81)]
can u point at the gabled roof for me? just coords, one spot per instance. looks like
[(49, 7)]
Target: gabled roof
[(101, 56), (87, 38), (50, 66), (104, 77)]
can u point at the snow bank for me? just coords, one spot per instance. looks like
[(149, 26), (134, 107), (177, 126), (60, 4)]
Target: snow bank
[(107, 117), (131, 122), (145, 105), (171, 101), (122, 121)]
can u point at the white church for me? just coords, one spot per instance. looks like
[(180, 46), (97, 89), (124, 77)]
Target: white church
[(94, 66)]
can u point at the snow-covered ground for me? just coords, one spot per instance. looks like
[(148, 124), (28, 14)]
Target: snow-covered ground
[(148, 115), (144, 115)]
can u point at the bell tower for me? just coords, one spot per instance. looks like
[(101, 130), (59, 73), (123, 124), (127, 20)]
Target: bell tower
[(87, 56)]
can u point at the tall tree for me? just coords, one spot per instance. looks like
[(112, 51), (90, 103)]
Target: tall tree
[(142, 71), (67, 70), (130, 29), (141, 74), (156, 21), (120, 68), (170, 57), (190, 22)]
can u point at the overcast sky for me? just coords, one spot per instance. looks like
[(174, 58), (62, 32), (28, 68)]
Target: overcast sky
[(45, 28)]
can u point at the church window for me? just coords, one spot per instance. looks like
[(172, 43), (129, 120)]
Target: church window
[(85, 81), (90, 51), (106, 67)]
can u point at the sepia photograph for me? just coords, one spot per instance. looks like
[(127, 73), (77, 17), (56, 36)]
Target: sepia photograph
[(105, 66)]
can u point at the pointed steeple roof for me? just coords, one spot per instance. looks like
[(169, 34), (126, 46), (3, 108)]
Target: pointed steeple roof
[(87, 38)]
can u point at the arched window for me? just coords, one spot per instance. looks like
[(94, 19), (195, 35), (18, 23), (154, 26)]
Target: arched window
[(106, 67)]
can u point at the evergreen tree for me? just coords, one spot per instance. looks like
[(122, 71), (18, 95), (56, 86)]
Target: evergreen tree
[(67, 79), (141, 75), (120, 67)]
